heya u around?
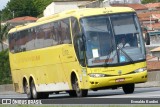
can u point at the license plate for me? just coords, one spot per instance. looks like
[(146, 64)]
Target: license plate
[(120, 80)]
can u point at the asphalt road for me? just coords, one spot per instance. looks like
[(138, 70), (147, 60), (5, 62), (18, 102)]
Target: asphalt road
[(98, 97), (153, 92)]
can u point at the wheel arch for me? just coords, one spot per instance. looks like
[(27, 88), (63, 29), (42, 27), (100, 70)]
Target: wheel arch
[(32, 78), (24, 80), (74, 74)]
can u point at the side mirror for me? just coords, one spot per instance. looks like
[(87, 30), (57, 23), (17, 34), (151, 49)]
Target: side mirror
[(147, 38), (78, 35)]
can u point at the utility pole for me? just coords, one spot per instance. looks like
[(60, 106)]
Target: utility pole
[(1, 28), (12, 13), (0, 21)]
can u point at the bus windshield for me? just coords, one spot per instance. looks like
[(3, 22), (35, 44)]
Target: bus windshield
[(112, 39)]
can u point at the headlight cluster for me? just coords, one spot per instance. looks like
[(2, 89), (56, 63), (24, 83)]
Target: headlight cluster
[(97, 75), (140, 70)]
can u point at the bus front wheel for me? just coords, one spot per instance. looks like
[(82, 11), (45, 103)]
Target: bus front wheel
[(128, 88), (79, 92)]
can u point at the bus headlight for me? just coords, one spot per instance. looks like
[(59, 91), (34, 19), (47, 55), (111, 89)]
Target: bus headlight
[(97, 75), (140, 69)]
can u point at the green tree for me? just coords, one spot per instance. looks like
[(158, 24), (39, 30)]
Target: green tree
[(24, 8), (149, 1), (3, 33), (41, 5), (5, 74)]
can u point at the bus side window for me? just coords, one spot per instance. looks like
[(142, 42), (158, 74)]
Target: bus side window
[(59, 32), (65, 31), (17, 43), (78, 42), (55, 33), (11, 42), (23, 41), (39, 42), (30, 39), (48, 37), (75, 27)]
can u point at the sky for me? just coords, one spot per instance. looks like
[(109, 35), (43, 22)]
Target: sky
[(3, 3)]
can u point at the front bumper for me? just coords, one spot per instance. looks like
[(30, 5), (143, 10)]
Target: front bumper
[(117, 80)]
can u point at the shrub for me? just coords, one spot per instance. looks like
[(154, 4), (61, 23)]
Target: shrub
[(5, 74)]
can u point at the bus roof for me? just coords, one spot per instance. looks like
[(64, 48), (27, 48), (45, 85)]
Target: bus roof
[(76, 13)]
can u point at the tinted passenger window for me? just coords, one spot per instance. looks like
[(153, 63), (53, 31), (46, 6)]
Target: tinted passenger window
[(75, 27), (11, 42), (65, 31), (30, 39), (59, 32), (48, 35), (23, 40), (39, 42), (55, 33), (17, 43)]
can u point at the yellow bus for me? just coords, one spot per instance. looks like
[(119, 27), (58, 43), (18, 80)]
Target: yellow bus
[(78, 50)]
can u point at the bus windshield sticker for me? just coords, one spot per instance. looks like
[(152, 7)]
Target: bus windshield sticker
[(95, 53), (122, 59)]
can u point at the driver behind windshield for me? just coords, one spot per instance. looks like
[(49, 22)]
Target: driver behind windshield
[(98, 44), (93, 48)]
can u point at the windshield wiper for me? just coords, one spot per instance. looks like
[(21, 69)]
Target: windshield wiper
[(125, 54), (108, 56)]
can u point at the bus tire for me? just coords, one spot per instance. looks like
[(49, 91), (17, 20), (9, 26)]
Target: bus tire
[(44, 95), (128, 88), (27, 90), (79, 92), (72, 93), (34, 92)]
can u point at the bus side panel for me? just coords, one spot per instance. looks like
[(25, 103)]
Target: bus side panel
[(67, 57), (16, 77), (71, 64), (44, 65), (50, 68)]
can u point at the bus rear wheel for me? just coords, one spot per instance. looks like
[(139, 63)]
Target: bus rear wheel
[(79, 92), (72, 93), (35, 94), (128, 88), (27, 90), (44, 95)]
